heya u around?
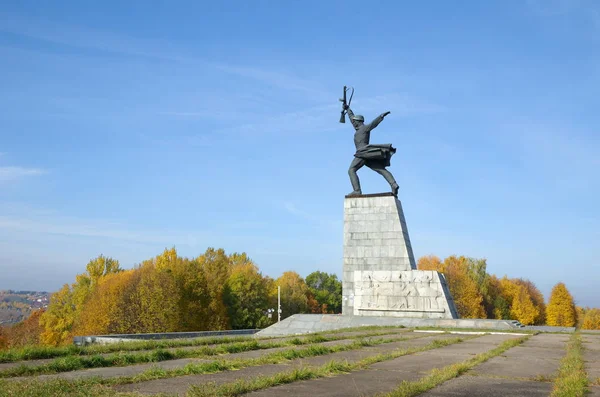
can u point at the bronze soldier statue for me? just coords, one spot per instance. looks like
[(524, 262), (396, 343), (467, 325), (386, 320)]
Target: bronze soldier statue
[(376, 157)]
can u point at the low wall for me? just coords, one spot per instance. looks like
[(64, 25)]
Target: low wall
[(115, 338)]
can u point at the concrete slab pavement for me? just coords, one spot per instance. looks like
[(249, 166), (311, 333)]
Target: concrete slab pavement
[(385, 376), (473, 386), (539, 358), (180, 385)]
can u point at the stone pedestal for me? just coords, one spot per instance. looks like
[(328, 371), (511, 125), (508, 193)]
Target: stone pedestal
[(380, 276)]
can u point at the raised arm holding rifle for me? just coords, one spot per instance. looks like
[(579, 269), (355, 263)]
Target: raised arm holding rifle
[(376, 157)]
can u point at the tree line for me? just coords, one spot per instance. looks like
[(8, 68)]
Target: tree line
[(217, 291), (170, 293), (478, 294)]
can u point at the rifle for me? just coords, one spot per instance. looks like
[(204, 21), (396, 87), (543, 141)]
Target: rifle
[(344, 104)]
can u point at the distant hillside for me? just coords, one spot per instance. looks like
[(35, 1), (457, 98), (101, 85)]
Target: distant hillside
[(16, 306)]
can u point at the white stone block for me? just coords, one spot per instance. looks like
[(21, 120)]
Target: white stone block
[(378, 258)]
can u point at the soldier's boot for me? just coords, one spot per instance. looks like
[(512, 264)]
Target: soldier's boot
[(355, 183), (390, 179)]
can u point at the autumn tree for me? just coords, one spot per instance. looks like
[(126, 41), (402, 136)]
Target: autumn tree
[(246, 295), (143, 299), (3, 339), (215, 265), (561, 310), (108, 310), (327, 291), (154, 300), (464, 290), (500, 300), (461, 274), (66, 305), (429, 262), (295, 294), (477, 271), (26, 332), (59, 317), (580, 312), (591, 319), (537, 299), (193, 298), (521, 306)]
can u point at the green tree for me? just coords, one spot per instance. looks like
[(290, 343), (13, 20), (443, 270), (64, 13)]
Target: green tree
[(500, 301), (477, 271), (246, 296), (327, 291), (561, 310)]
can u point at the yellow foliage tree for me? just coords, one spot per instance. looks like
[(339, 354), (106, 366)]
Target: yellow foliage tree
[(464, 290), (107, 309), (520, 303), (295, 294), (537, 298), (59, 317), (155, 300), (66, 305), (591, 319), (522, 308), (429, 262), (216, 266), (561, 310)]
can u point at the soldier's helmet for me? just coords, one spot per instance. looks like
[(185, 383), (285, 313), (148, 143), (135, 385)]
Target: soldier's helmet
[(358, 117)]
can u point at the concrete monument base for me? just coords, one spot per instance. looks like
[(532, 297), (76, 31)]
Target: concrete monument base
[(308, 323), (380, 277)]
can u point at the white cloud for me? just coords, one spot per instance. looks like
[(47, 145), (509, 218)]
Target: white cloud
[(14, 173)]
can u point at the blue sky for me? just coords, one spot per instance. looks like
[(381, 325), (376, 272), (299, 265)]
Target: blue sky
[(127, 128)]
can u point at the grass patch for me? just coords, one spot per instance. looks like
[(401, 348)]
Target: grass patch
[(22, 388), (441, 375), (56, 388), (334, 367), (572, 380), (76, 362), (42, 352), (46, 352)]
